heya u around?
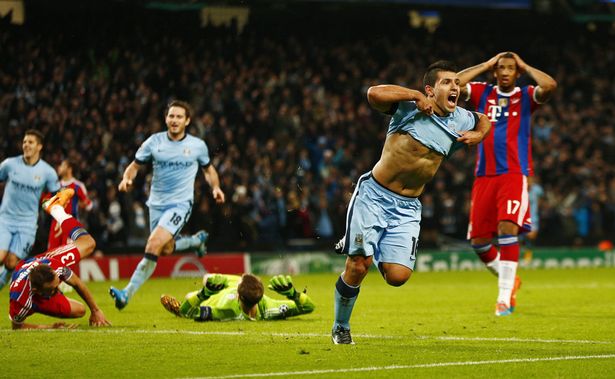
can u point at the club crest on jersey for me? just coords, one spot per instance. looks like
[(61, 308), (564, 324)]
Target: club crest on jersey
[(186, 151), (358, 239), (503, 102)]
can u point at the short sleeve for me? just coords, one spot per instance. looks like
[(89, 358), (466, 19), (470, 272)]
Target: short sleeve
[(4, 170), (53, 182), (203, 157), (405, 111), (144, 153)]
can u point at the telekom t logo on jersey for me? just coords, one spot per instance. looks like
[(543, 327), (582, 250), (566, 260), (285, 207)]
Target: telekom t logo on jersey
[(495, 111)]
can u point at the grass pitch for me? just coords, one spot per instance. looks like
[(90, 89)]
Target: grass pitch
[(437, 325)]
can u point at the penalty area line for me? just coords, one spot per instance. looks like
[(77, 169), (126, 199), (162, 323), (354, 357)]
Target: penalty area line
[(405, 367)]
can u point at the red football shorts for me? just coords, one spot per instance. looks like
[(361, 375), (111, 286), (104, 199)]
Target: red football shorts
[(498, 198), (56, 305)]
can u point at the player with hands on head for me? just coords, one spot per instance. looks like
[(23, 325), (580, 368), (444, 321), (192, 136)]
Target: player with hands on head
[(231, 297), (500, 203)]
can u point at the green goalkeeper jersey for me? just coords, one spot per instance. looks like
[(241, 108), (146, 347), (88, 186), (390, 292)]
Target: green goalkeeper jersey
[(225, 306)]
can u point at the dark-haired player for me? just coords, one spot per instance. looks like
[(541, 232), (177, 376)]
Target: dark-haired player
[(384, 214), (500, 202)]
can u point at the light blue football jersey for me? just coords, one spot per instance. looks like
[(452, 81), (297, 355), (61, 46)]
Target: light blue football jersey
[(175, 164), (439, 133), (23, 189)]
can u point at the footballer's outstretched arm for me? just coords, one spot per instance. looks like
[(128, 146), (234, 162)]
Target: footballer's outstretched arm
[(129, 175), (97, 317)]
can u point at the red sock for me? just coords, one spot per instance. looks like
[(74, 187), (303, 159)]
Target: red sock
[(487, 255), (69, 226), (509, 248)]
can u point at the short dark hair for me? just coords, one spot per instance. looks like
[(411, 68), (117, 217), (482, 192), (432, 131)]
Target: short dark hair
[(506, 55), (250, 290), (429, 79), (36, 133), (71, 162), (181, 104), (40, 275)]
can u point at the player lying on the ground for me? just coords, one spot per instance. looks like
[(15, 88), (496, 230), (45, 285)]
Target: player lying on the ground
[(35, 282), (232, 297)]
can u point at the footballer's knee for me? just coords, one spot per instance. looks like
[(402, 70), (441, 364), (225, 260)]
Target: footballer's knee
[(358, 266), (508, 228), (76, 309), (396, 275), (10, 262), (86, 245)]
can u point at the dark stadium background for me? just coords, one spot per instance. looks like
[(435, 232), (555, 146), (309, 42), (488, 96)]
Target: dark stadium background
[(281, 103)]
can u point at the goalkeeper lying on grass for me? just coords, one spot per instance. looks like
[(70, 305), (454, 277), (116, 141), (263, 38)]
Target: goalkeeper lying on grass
[(231, 297)]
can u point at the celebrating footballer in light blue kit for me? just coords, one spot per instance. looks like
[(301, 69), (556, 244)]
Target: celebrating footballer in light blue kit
[(26, 177), (176, 158), (384, 214)]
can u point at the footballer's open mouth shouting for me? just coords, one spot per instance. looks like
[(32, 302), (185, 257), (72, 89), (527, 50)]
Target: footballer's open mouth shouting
[(452, 100)]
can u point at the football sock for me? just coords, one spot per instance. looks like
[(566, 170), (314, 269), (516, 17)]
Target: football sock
[(59, 214), (489, 255), (5, 277), (184, 243), (143, 271), (345, 297), (509, 257), (190, 307)]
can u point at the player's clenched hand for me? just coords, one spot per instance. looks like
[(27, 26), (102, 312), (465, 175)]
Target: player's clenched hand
[(214, 284), (283, 284), (125, 185), (97, 318), (470, 137), (423, 105)]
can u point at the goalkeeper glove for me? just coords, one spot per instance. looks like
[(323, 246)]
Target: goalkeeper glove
[(283, 284), (214, 284)]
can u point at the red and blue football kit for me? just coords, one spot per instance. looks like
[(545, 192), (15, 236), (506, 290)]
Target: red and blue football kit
[(504, 159), (56, 237), (23, 302)]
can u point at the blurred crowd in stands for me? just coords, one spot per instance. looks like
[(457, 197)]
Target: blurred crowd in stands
[(287, 122)]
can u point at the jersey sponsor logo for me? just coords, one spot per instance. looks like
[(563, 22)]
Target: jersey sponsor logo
[(494, 112), (25, 187), (176, 165)]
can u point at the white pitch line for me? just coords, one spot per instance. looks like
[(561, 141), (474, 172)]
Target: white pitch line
[(316, 335), (404, 367)]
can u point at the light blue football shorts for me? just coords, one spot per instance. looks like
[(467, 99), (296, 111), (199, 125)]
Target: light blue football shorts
[(382, 224), (171, 218), (17, 239)]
